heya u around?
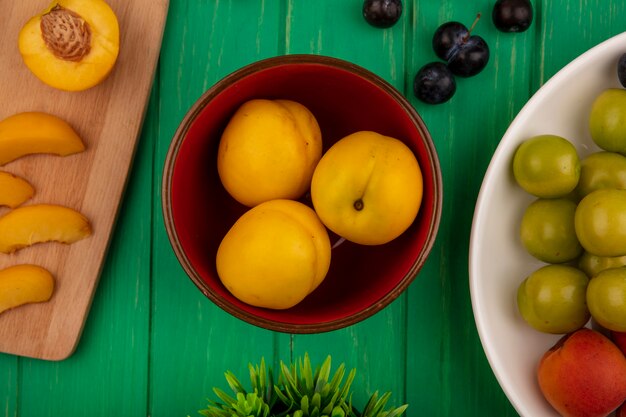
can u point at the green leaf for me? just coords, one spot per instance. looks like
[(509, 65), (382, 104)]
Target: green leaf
[(375, 407), (333, 388), (398, 411), (226, 399), (336, 380), (350, 409), (304, 405), (234, 383), (316, 400), (255, 377), (242, 406), (306, 372), (291, 382), (258, 376), (270, 394), (346, 387), (282, 397), (337, 412), (324, 373)]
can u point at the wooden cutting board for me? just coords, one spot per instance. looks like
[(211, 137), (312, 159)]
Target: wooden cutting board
[(108, 118)]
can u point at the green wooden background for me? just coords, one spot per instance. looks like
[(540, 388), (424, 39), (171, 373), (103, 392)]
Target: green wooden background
[(153, 345)]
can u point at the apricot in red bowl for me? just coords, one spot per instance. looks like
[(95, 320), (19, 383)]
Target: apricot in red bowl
[(344, 98)]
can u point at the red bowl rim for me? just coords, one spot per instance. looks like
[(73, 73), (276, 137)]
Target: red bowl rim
[(179, 137)]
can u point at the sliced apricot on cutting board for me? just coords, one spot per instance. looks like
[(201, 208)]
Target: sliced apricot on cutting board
[(28, 225), (22, 284), (36, 132), (72, 45), (14, 190)]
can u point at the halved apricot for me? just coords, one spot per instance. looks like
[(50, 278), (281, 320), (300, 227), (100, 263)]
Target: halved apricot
[(72, 45)]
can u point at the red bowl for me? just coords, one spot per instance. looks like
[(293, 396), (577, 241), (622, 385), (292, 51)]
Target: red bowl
[(344, 98)]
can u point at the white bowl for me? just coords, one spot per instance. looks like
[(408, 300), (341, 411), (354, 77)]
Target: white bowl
[(498, 263)]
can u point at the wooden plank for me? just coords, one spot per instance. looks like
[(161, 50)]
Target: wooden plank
[(447, 368), (574, 31), (8, 385), (376, 345), (108, 118), (193, 341)]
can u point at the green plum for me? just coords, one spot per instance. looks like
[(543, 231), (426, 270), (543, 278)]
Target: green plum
[(607, 120), (547, 230), (602, 170), (606, 298), (553, 299), (546, 166), (592, 264), (600, 222)]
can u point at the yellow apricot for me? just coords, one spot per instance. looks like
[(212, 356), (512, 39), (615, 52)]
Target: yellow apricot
[(72, 45), (14, 190), (22, 284), (36, 132), (367, 188), (268, 151), (28, 225), (274, 255)]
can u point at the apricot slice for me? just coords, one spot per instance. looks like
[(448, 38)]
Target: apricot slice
[(36, 132), (14, 190), (72, 45), (22, 284), (28, 225)]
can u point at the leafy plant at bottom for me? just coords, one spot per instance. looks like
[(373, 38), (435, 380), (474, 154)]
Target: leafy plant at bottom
[(299, 392), (309, 394), (257, 403)]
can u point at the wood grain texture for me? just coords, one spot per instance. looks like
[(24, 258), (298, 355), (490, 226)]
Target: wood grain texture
[(383, 52), (154, 345), (108, 118), (193, 342), (8, 385), (440, 327)]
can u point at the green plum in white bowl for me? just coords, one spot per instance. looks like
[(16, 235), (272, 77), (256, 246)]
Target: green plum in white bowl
[(498, 262)]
